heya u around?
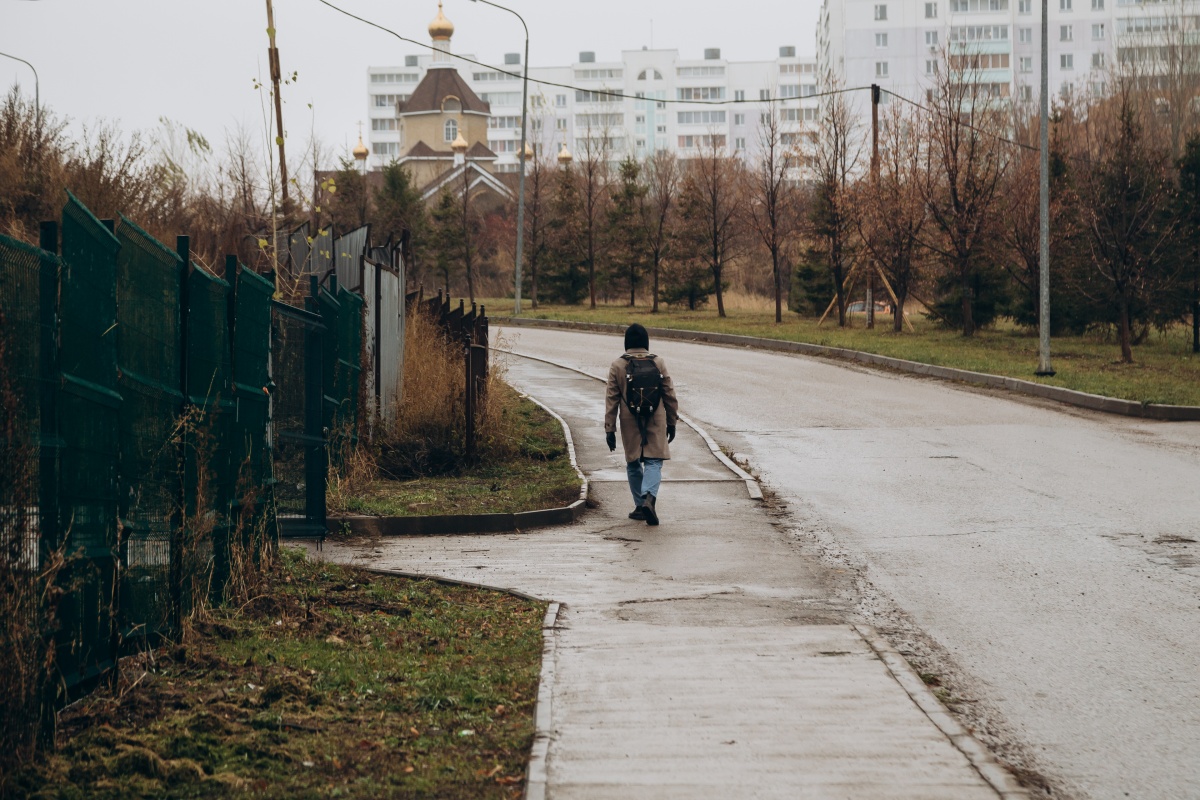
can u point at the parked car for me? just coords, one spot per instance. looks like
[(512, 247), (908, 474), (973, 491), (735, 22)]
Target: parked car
[(860, 307)]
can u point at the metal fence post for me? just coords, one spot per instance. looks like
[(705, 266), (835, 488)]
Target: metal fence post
[(469, 397), (183, 249), (316, 462), (50, 517)]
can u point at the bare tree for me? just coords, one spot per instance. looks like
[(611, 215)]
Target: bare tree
[(834, 161), (663, 177), (592, 171), (714, 176), (892, 208), (773, 206), (965, 162)]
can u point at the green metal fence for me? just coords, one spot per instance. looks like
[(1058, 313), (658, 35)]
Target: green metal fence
[(156, 419)]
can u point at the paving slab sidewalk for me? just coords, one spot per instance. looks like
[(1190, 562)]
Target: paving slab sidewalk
[(710, 657)]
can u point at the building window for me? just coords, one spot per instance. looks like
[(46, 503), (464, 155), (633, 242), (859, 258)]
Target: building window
[(931, 66), (700, 72), (1066, 61), (764, 94), (640, 119), (1025, 7), (1027, 93), (660, 129), (931, 38), (1098, 31), (560, 100), (740, 143), (739, 119), (647, 72), (1097, 5), (385, 148), (450, 130), (931, 11), (881, 69), (1025, 35), (1026, 64), (700, 93), (1066, 33), (1064, 5), (560, 124), (384, 124), (881, 11), (701, 117), (739, 95), (1097, 60), (968, 6), (881, 40)]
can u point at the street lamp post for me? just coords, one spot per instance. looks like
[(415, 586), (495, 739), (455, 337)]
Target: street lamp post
[(1044, 368), (521, 179), (37, 91)]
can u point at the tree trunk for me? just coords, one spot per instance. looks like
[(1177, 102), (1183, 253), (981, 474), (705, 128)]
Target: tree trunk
[(1126, 344), (839, 292), (778, 287), (533, 283), (654, 297), (1196, 316), (898, 310), (632, 285), (592, 268), (720, 295), (968, 304)]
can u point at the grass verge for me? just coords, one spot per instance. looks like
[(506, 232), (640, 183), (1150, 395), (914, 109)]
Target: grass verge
[(531, 470), (1165, 370), (339, 683)]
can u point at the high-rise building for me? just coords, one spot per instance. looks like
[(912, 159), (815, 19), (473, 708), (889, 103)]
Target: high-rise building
[(903, 45), (642, 102)]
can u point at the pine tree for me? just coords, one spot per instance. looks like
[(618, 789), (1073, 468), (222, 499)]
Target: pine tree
[(564, 274), (628, 234)]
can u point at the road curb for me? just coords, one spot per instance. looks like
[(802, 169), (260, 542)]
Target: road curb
[(1000, 779), (752, 486), (1094, 402), (451, 524), (536, 773)]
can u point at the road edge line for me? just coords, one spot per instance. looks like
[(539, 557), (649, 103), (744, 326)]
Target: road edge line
[(996, 776)]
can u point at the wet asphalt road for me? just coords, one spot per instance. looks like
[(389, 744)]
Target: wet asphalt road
[(1051, 553)]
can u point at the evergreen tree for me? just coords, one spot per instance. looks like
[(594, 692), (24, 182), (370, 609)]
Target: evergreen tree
[(446, 238), (399, 207), (628, 234), (565, 276), (687, 277)]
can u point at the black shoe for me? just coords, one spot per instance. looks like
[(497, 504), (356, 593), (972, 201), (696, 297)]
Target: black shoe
[(651, 516), (637, 514)]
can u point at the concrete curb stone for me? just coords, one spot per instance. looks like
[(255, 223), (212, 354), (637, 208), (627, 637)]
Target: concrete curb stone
[(449, 524), (1094, 402)]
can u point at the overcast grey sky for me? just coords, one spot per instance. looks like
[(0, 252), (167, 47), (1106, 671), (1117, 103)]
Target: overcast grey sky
[(195, 62)]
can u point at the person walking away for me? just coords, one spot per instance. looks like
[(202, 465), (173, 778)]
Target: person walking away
[(640, 393)]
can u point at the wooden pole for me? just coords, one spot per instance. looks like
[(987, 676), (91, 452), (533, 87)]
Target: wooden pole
[(273, 56)]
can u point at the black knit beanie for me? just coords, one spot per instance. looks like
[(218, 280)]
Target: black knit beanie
[(635, 337)]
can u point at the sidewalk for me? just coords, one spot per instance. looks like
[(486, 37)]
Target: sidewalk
[(709, 657)]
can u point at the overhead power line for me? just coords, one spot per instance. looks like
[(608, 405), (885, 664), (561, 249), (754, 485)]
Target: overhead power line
[(602, 92)]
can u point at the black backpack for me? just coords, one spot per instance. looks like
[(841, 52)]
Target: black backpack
[(643, 389)]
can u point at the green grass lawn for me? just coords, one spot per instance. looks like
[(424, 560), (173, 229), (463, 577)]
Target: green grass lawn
[(530, 470), (337, 683), (1165, 369)]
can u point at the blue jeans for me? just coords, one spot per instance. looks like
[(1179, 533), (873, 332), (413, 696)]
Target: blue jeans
[(644, 479)]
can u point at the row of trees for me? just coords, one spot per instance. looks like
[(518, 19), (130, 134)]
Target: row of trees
[(945, 214)]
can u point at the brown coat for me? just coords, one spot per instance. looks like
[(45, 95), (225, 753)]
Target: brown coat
[(656, 432)]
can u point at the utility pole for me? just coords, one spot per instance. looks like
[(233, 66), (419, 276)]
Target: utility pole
[(273, 56), (1044, 368), (875, 97)]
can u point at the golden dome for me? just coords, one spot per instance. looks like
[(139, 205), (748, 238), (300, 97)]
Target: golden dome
[(441, 28), (459, 144), (360, 150), (564, 155), (528, 152)]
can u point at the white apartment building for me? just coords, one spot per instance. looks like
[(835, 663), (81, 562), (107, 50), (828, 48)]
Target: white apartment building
[(902, 44), (655, 115)]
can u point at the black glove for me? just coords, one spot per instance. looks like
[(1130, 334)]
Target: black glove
[(670, 433), (611, 438)]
